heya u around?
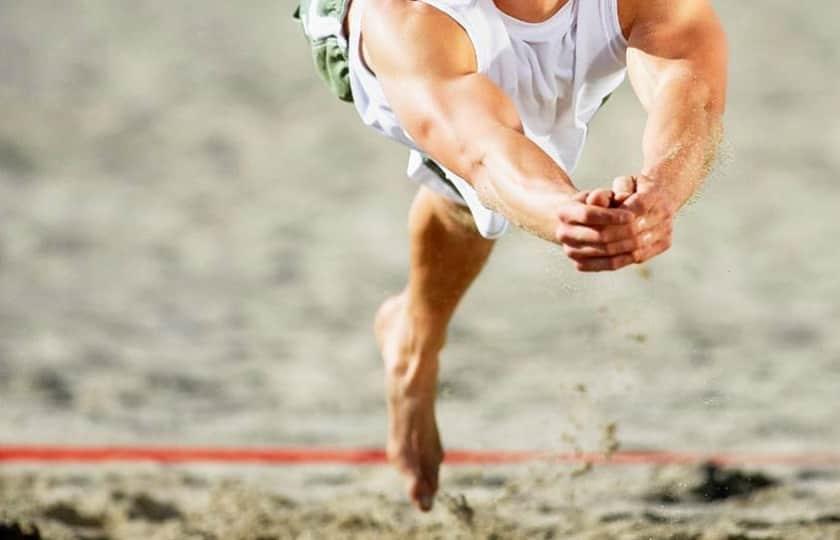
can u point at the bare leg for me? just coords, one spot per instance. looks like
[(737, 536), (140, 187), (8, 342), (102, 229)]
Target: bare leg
[(447, 254)]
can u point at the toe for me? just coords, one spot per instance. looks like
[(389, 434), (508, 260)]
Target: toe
[(422, 494), (425, 503)]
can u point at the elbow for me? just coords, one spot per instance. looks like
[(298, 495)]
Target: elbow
[(459, 150)]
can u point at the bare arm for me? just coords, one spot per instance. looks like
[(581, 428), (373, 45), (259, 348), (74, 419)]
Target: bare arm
[(426, 65), (677, 63)]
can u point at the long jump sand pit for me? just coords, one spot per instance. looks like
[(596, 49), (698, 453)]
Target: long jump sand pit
[(194, 237), (632, 501)]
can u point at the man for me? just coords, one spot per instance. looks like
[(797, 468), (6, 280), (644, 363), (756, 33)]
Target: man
[(493, 98)]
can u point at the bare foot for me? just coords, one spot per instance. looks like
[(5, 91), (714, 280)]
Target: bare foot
[(413, 441)]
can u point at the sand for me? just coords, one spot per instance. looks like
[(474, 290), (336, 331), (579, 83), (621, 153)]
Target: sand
[(194, 238), (535, 501)]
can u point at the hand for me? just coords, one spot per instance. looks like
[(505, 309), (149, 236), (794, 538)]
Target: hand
[(595, 234), (596, 244), (654, 208)]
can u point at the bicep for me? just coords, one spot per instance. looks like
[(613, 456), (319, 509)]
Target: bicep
[(426, 65), (678, 41), (436, 109)]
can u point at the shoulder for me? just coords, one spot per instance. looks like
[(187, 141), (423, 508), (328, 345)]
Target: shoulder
[(662, 16), (409, 36)]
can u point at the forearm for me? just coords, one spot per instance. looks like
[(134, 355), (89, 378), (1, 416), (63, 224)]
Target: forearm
[(681, 138), (516, 178), (471, 127)]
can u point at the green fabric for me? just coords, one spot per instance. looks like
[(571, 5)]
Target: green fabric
[(329, 55)]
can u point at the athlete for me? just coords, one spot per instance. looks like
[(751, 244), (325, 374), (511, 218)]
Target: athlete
[(493, 99)]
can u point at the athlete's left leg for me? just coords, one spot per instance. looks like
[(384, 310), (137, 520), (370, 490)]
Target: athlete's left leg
[(447, 253)]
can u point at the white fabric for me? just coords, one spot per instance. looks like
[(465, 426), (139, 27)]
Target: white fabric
[(317, 26), (557, 73), (489, 224)]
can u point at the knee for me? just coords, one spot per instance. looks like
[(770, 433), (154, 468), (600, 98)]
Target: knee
[(431, 209), (460, 218)]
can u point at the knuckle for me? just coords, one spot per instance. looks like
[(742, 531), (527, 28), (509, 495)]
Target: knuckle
[(563, 234)]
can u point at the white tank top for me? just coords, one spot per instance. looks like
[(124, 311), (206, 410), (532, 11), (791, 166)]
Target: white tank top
[(557, 72)]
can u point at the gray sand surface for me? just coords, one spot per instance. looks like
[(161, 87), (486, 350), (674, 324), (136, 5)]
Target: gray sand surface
[(194, 238)]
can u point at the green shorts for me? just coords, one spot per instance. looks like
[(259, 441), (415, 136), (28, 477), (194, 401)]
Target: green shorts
[(323, 26), (322, 22)]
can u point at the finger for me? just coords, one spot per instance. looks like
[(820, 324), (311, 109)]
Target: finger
[(571, 234), (649, 235), (619, 198), (649, 214), (604, 264), (580, 196), (584, 214), (624, 185), (654, 235), (639, 204), (600, 197), (653, 250), (617, 233), (579, 251)]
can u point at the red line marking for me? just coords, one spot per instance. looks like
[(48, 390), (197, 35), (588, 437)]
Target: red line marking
[(308, 456)]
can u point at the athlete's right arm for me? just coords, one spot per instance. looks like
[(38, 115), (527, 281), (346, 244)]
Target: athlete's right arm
[(426, 65)]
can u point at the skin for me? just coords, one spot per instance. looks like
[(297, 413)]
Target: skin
[(425, 63)]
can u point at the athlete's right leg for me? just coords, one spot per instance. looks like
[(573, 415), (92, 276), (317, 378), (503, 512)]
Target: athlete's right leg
[(447, 253)]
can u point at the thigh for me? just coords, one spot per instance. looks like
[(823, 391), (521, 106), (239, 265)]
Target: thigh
[(453, 217)]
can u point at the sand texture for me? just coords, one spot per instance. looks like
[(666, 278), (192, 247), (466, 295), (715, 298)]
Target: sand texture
[(194, 238)]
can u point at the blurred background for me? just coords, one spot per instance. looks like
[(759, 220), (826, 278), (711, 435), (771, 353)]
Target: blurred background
[(194, 237)]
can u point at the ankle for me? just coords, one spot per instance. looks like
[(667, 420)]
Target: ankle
[(416, 358)]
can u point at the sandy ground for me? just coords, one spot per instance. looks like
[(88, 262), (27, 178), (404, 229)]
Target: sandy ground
[(194, 237), (534, 501)]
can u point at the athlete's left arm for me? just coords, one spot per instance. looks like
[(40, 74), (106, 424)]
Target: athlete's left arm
[(677, 62)]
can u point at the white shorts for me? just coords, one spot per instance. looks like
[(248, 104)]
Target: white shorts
[(444, 182)]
